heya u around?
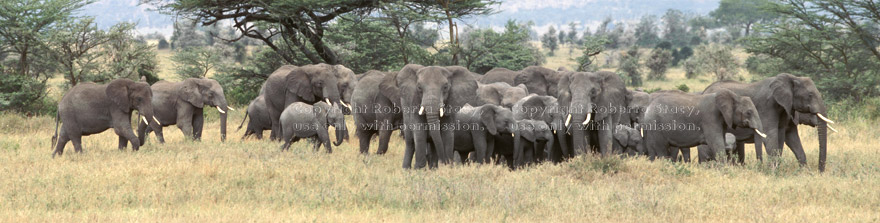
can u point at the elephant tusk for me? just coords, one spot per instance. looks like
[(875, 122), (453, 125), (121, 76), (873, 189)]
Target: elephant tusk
[(568, 120), (230, 108), (588, 119), (328, 101), (145, 119), (554, 132), (832, 128), (441, 112), (157, 120), (642, 132), (346, 105), (220, 110), (422, 110), (824, 118), (760, 133), (511, 135)]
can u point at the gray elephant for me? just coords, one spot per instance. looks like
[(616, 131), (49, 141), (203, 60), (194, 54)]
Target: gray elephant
[(258, 115), (629, 140), (499, 75), (308, 84), (706, 154), (539, 80), (374, 112), (300, 120), (636, 107), (476, 128), (594, 103), (500, 94), (90, 108), (182, 103), (546, 109), (777, 100), (532, 141), (687, 120), (429, 98)]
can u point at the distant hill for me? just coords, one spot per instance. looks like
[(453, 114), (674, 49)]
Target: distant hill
[(109, 12)]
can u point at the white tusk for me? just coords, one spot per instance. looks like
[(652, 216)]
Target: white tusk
[(328, 101), (568, 120), (343, 104), (220, 110), (441, 112), (145, 120), (824, 118), (422, 110), (157, 120), (832, 128), (230, 108), (588, 119), (642, 132), (760, 133), (511, 134), (554, 132)]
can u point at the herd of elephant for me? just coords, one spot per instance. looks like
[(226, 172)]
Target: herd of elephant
[(507, 117)]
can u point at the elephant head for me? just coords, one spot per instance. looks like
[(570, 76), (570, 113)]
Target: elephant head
[(346, 83), (501, 94), (496, 119), (637, 106), (799, 94), (539, 80), (533, 131), (331, 116), (128, 95), (316, 82), (581, 94), (628, 138), (738, 111), (546, 109), (200, 92), (429, 95)]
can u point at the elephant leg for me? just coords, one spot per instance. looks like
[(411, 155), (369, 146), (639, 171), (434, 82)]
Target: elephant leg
[(606, 141), (142, 132), (409, 148), (793, 140), (364, 137), (741, 155), (448, 146), (480, 144), (127, 133), (59, 145), (197, 123), (77, 143), (384, 138), (685, 154), (123, 142), (463, 156), (432, 155), (759, 148), (420, 139), (185, 120), (325, 139)]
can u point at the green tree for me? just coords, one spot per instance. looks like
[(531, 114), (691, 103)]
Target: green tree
[(195, 62), (561, 36), (366, 44), (717, 59), (572, 34), (73, 44), (484, 49), (674, 29), (646, 31), (743, 13), (658, 63), (592, 46), (549, 40), (242, 83), (186, 35), (629, 66), (24, 25)]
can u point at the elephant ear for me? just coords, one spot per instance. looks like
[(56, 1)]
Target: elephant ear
[(490, 93), (464, 87), (563, 93), (300, 82), (322, 111), (523, 86), (487, 115), (725, 101), (781, 88), (117, 91), (395, 82), (621, 136), (528, 131), (189, 91)]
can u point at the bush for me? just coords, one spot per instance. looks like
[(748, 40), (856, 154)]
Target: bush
[(21, 93), (629, 65), (195, 62), (681, 54), (683, 87), (163, 44), (691, 68), (658, 63), (242, 84), (717, 59)]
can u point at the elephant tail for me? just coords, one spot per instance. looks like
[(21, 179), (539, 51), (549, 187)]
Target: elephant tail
[(242, 120), (55, 136)]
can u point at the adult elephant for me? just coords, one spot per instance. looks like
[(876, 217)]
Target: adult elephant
[(598, 97), (308, 84), (90, 108), (258, 115), (777, 100), (429, 97), (476, 128), (539, 80), (182, 103), (547, 110), (501, 94), (502, 75), (374, 112)]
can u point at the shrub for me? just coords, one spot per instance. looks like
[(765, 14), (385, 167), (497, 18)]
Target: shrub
[(658, 63), (195, 62), (21, 93), (691, 68), (717, 59), (683, 87), (681, 54), (629, 65), (241, 84), (163, 44)]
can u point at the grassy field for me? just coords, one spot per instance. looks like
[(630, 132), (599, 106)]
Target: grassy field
[(237, 180)]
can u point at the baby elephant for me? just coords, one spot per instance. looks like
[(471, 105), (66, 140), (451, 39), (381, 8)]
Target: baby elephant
[(629, 140), (536, 134), (301, 120)]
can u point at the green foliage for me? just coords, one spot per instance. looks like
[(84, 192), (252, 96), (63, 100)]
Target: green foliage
[(186, 35), (242, 83), (683, 87), (646, 31), (834, 42), (743, 13), (367, 44), (592, 46), (681, 54), (484, 49), (692, 68), (195, 62), (608, 165), (717, 59), (674, 29), (658, 63), (21, 93), (629, 65), (163, 44), (549, 40)]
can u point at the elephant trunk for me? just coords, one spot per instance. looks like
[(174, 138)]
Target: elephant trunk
[(223, 127), (152, 121), (823, 144), (433, 119), (341, 134), (561, 134), (580, 118)]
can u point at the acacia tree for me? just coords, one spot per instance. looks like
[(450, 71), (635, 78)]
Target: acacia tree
[(744, 13), (25, 23)]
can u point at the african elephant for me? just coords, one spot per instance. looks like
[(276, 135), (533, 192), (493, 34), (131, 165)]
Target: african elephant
[(546, 109), (181, 103), (259, 116), (528, 137), (629, 140), (500, 94), (308, 84), (598, 97), (539, 80), (475, 128), (706, 154), (429, 97), (300, 120), (686, 120), (90, 108), (777, 100), (636, 107), (502, 75), (375, 113)]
